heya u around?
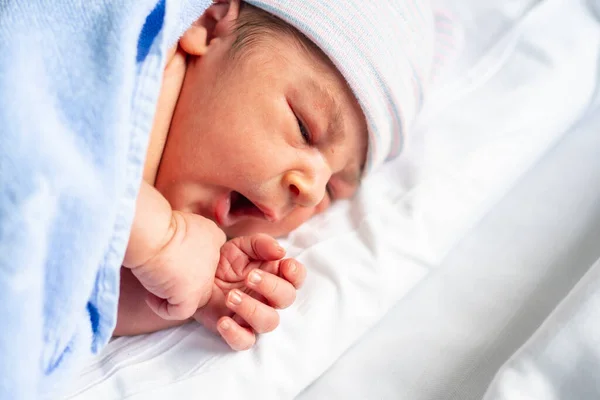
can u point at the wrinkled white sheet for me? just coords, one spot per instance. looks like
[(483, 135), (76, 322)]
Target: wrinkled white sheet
[(484, 131), (561, 360)]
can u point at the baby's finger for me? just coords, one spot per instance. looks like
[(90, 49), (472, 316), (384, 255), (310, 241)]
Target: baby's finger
[(209, 315), (260, 247), (278, 292), (258, 315), (235, 336), (293, 271)]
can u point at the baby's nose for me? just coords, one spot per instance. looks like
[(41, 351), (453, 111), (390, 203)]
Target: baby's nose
[(307, 189)]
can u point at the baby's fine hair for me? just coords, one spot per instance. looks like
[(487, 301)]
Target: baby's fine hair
[(254, 24)]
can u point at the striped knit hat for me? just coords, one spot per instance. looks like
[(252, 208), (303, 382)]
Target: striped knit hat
[(383, 48)]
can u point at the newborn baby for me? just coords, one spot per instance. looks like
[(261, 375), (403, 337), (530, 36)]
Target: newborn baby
[(263, 114), (255, 131)]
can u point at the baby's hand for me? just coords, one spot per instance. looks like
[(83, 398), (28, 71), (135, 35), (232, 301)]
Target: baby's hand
[(173, 254), (251, 282)]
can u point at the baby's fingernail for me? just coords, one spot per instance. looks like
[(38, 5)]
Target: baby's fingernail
[(294, 267), (225, 325), (255, 277), (235, 297), (280, 249)]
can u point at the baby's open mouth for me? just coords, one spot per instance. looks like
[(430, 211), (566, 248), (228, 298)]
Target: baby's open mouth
[(234, 206), (241, 206)]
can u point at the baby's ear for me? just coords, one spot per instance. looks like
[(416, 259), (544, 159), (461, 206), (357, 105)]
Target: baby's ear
[(217, 21)]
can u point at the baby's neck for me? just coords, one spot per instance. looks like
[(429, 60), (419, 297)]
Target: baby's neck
[(169, 93)]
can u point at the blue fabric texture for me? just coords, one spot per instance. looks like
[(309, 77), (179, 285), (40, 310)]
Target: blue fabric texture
[(79, 81)]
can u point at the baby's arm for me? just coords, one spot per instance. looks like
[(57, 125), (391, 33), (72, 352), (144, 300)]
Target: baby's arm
[(173, 255)]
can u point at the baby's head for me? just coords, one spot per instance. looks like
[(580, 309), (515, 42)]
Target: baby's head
[(289, 105)]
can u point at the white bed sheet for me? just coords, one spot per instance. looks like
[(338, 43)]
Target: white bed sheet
[(447, 339), (562, 359), (365, 255)]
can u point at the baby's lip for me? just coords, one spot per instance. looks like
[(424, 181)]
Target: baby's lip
[(270, 215), (221, 210)]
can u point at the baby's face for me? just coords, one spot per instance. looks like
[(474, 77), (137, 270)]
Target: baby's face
[(263, 140)]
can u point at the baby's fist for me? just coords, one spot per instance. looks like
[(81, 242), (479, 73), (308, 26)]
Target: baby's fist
[(180, 276), (252, 281)]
